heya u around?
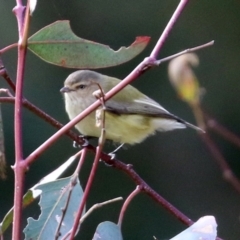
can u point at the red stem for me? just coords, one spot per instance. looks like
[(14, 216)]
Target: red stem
[(126, 203), (223, 131), (167, 29), (224, 166), (86, 192), (147, 189), (3, 50), (81, 160), (19, 167)]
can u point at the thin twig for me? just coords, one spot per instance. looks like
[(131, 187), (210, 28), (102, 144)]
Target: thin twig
[(72, 184), (64, 209), (72, 232), (81, 161), (227, 172), (126, 204), (167, 29), (4, 74), (5, 90), (98, 205), (3, 50), (189, 50), (222, 131), (147, 189)]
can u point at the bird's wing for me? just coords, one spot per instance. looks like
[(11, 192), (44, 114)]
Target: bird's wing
[(144, 106)]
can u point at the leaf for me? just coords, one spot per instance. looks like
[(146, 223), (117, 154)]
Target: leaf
[(57, 44), (205, 228), (33, 192), (183, 78), (53, 200), (108, 231)]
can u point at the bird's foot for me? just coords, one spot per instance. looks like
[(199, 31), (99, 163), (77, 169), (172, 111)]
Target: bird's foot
[(85, 140), (113, 153)]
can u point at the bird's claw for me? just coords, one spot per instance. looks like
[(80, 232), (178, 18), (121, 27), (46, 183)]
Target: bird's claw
[(84, 144)]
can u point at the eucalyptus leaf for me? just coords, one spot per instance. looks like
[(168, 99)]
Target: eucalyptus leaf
[(205, 228), (34, 192), (57, 44), (108, 231), (52, 202)]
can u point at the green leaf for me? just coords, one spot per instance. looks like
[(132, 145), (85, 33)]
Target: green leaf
[(57, 44), (33, 193), (205, 228), (53, 200), (108, 231)]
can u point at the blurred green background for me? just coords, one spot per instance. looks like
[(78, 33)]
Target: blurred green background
[(176, 164)]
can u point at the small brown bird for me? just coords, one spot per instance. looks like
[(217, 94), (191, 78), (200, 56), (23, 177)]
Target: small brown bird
[(130, 115)]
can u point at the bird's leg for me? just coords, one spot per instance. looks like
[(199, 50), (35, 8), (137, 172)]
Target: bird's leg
[(85, 139), (113, 153)]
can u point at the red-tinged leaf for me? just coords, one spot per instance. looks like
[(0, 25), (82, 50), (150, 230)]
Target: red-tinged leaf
[(57, 44)]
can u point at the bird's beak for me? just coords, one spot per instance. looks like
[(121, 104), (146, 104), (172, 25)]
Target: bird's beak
[(65, 90)]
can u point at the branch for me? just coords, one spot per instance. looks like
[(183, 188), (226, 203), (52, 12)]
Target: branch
[(168, 28), (228, 174), (189, 50), (96, 206), (224, 166), (3, 50), (126, 203), (19, 168), (222, 131)]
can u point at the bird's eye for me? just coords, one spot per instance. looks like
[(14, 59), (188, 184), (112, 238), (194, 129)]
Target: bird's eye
[(81, 86)]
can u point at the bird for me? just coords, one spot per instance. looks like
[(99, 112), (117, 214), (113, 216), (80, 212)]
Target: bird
[(130, 115)]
